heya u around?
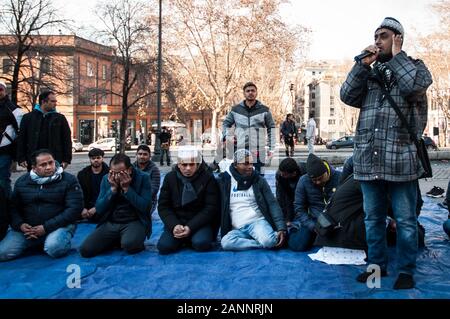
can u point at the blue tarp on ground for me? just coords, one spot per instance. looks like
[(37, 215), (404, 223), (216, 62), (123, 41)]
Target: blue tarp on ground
[(217, 274)]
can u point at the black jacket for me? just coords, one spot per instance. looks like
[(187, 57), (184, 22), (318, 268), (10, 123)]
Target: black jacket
[(286, 194), (60, 140), (264, 197), (84, 177), (53, 205), (346, 209), (203, 211), (9, 117)]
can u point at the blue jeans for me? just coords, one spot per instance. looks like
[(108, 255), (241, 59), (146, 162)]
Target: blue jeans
[(259, 234), (301, 239), (201, 240), (56, 244), (446, 227), (403, 199), (5, 173)]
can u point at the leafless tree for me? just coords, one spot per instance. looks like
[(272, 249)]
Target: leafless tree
[(23, 20), (216, 46), (127, 29)]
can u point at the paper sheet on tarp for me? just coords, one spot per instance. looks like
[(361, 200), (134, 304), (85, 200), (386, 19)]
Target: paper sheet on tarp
[(339, 256)]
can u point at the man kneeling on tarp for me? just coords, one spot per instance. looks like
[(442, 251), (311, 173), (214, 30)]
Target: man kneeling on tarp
[(46, 203), (123, 206), (188, 204)]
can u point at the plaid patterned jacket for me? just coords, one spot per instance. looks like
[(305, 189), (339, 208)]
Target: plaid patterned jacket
[(383, 148)]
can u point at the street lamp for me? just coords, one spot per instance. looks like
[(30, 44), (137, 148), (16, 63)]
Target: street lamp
[(157, 149)]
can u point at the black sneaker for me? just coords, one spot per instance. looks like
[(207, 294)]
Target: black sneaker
[(436, 192)]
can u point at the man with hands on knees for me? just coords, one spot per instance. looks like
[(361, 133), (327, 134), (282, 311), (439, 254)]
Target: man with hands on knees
[(46, 203), (123, 208)]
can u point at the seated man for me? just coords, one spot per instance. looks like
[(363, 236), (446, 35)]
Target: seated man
[(251, 216), (46, 203), (90, 179), (123, 207), (287, 176), (4, 213), (145, 164), (313, 191), (188, 204)]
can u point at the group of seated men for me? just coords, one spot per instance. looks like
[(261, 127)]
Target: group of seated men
[(194, 205)]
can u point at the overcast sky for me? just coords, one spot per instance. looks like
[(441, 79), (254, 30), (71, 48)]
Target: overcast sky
[(341, 29)]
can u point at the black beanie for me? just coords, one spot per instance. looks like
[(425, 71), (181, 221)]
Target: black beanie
[(315, 166)]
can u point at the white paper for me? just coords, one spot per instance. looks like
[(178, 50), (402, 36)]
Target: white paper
[(339, 256)]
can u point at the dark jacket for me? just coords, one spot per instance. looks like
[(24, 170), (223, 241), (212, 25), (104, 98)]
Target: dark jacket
[(287, 128), (10, 117), (4, 213), (155, 179), (310, 199), (346, 209), (264, 198), (203, 211), (53, 205), (139, 195), (59, 142), (84, 178), (285, 192)]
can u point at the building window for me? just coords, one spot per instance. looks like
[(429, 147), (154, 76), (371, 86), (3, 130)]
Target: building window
[(46, 66), (7, 65), (104, 97), (313, 72), (313, 104), (89, 69), (331, 122), (313, 95), (331, 100), (104, 72), (332, 111)]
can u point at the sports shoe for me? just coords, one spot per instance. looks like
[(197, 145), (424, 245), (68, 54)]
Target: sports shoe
[(436, 192)]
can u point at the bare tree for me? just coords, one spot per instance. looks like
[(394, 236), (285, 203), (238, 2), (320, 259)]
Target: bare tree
[(434, 49), (218, 45), (127, 29), (23, 19)]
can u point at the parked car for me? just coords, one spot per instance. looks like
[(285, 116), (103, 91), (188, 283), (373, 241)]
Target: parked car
[(343, 142), (429, 143), (106, 144), (76, 146)]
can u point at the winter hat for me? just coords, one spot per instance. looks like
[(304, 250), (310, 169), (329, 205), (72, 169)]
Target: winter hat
[(315, 167), (241, 155), (392, 24)]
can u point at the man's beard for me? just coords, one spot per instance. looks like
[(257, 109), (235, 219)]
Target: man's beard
[(382, 57)]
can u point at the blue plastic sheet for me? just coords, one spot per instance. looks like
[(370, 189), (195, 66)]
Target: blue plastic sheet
[(217, 274)]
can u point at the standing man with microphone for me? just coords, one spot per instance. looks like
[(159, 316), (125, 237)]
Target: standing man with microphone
[(385, 157)]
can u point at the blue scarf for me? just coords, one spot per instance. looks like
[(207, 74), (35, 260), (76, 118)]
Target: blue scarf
[(48, 179)]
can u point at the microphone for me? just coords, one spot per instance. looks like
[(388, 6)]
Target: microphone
[(363, 55)]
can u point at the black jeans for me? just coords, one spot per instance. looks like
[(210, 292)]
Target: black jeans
[(201, 240), (167, 153), (130, 236)]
